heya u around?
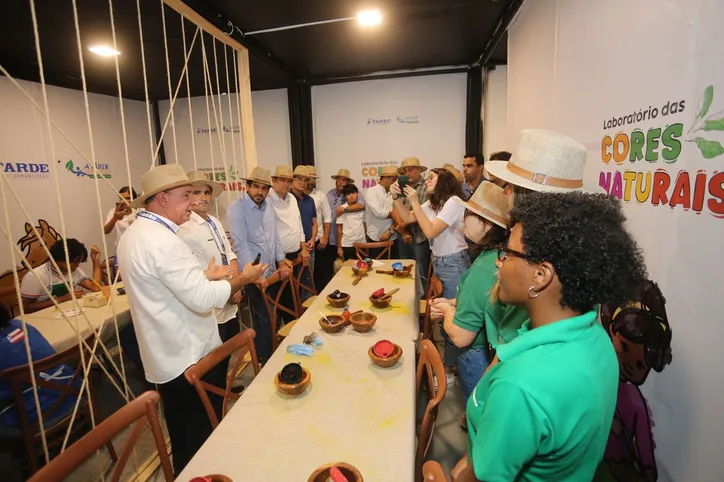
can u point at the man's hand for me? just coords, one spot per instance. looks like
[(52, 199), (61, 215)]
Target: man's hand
[(310, 245), (406, 238), (216, 272), (385, 236), (235, 298), (340, 252), (284, 272), (78, 294), (338, 211), (395, 189), (253, 272), (411, 195), (262, 284), (323, 241), (95, 255), (285, 263), (306, 258)]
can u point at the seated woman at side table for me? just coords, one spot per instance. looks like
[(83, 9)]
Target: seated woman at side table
[(544, 410), (35, 298)]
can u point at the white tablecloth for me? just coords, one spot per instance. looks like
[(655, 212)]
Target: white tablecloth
[(352, 412), (61, 333)]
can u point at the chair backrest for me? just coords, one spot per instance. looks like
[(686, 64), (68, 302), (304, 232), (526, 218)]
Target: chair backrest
[(311, 289), (363, 249), (432, 472), (244, 342), (434, 290), (429, 368), (274, 304), (19, 378), (142, 411)]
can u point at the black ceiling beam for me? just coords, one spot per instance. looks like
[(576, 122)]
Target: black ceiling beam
[(501, 27), (255, 48), (391, 75)]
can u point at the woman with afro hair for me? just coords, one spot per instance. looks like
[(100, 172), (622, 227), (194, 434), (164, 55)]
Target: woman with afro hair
[(544, 410)]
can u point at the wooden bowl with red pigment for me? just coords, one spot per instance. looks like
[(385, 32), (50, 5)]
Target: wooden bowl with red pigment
[(349, 471)]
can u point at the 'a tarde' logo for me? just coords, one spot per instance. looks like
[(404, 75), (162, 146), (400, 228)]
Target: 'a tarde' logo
[(24, 170), (375, 121)]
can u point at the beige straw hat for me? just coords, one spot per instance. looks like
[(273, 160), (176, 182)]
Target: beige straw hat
[(388, 171), (259, 174), (543, 161), (489, 202), (162, 178), (301, 171), (283, 171), (456, 172), (216, 188), (411, 162), (312, 172), (343, 173)]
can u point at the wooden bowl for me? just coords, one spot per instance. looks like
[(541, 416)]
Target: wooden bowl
[(381, 303), (360, 271), (388, 362), (340, 303), (402, 274), (337, 324), (363, 322), (349, 471), (295, 389)]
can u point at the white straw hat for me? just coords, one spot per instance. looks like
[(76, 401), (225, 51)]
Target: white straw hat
[(216, 188), (259, 175), (345, 174), (162, 178), (543, 161), (489, 202)]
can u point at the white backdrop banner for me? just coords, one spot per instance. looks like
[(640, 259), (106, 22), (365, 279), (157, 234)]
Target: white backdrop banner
[(362, 126), (639, 83)]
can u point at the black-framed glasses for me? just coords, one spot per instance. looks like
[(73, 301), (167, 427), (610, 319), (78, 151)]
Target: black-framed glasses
[(505, 252)]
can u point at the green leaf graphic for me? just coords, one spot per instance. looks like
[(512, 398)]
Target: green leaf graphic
[(709, 149), (705, 102), (69, 165), (713, 125)]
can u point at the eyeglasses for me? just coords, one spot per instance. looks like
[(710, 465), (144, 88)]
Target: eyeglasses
[(504, 253)]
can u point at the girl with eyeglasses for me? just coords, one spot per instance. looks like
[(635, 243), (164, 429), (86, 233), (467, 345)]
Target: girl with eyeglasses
[(544, 411)]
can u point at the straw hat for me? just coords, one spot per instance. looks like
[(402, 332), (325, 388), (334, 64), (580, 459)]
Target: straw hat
[(216, 188), (312, 172), (488, 201), (283, 171), (302, 171), (162, 178), (543, 161), (343, 173), (388, 171), (411, 162), (456, 172), (259, 174)]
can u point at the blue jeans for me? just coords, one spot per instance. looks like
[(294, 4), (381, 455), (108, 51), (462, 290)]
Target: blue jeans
[(420, 252), (472, 363), (260, 320), (450, 269)]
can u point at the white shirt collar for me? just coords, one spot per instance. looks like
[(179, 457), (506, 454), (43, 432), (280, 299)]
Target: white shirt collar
[(174, 227), (197, 218)]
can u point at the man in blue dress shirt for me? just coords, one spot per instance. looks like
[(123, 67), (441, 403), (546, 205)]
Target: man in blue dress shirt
[(254, 231)]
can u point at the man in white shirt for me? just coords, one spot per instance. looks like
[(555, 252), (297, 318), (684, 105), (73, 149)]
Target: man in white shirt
[(207, 239), (122, 215), (324, 221), (172, 300), (350, 225), (380, 213)]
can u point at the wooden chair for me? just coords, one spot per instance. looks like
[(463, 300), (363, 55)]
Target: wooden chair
[(56, 417), (428, 368), (432, 472), (244, 342), (275, 307), (363, 249), (434, 290), (140, 412), (311, 289)]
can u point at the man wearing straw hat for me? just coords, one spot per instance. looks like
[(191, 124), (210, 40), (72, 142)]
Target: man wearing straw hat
[(336, 201), (308, 213), (414, 244), (380, 213), (206, 237), (253, 227), (324, 219), (172, 300)]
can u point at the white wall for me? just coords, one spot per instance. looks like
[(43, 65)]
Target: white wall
[(363, 125), (25, 140), (203, 144), (572, 67), (495, 111)]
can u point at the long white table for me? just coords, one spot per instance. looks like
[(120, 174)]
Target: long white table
[(352, 412), (61, 334)]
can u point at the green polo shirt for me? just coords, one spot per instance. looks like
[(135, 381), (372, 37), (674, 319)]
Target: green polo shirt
[(505, 322), (544, 411), (473, 296)]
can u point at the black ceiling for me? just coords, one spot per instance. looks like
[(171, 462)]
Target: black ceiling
[(415, 34)]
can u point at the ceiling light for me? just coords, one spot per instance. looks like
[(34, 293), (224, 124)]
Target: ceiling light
[(369, 18), (103, 50)]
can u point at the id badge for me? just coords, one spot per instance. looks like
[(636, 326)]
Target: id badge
[(224, 260)]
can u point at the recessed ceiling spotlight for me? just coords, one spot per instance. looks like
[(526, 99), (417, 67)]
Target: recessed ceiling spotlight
[(103, 50), (369, 18)]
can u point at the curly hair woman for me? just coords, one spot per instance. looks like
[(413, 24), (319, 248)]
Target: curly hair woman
[(544, 411), (441, 220)]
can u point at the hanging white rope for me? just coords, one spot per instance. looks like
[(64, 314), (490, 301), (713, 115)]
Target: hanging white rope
[(238, 106), (188, 96), (168, 79), (145, 80), (207, 86), (231, 119), (221, 134)]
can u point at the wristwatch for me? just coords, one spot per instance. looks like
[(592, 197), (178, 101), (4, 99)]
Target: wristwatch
[(346, 209)]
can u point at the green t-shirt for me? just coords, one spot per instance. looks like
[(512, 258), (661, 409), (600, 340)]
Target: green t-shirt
[(473, 295), (504, 322), (545, 410)]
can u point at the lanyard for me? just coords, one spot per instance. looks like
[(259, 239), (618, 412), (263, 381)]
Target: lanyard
[(154, 218), (222, 247)]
